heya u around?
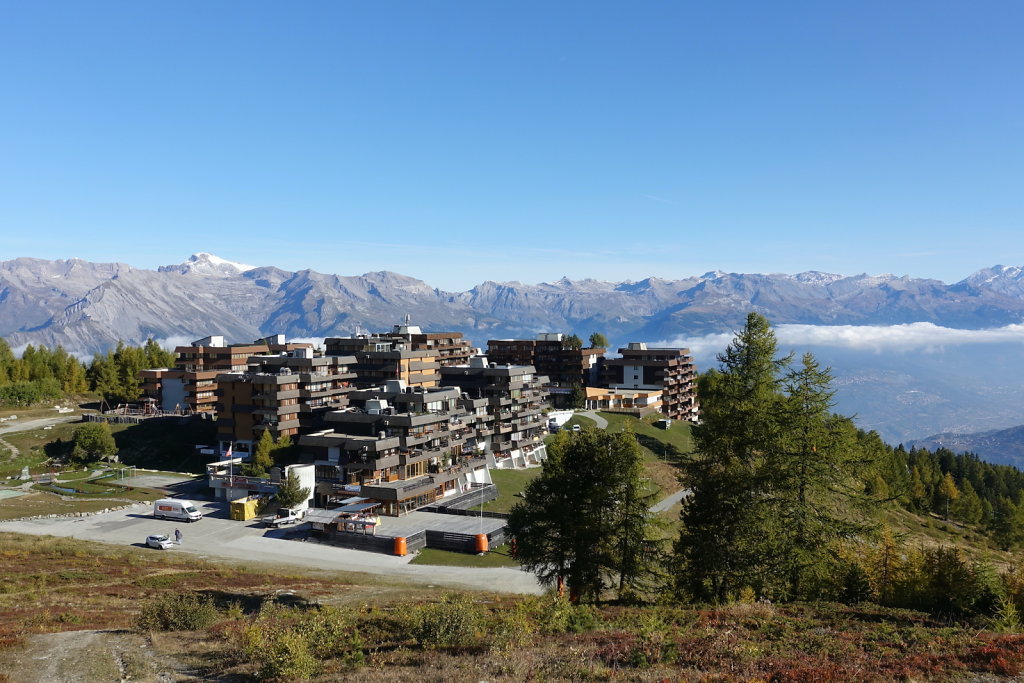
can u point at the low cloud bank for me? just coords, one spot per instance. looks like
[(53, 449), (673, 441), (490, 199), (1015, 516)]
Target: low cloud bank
[(924, 337)]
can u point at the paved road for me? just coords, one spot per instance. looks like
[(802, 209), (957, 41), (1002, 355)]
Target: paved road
[(671, 500), (598, 420), (217, 537), (25, 425)]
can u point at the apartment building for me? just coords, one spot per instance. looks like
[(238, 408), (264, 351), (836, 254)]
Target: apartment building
[(379, 360), (191, 384), (670, 370), (403, 447), (288, 394), (504, 404), (563, 365)]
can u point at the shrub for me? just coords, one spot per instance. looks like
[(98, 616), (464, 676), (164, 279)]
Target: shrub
[(178, 612), (454, 621), (286, 655), (555, 614)]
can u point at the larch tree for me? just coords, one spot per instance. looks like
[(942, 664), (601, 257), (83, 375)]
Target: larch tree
[(727, 537)]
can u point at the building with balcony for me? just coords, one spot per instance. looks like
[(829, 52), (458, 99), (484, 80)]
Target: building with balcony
[(447, 348), (635, 402), (504, 405), (192, 384), (669, 370), (400, 446), (564, 366), (287, 394)]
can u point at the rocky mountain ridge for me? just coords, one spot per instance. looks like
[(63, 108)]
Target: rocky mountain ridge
[(88, 307)]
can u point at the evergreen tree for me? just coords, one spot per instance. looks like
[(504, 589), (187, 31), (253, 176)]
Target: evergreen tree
[(815, 475), (968, 507), (586, 519), (577, 397), (290, 493), (727, 540), (598, 341), (262, 458), (1007, 524), (572, 341)]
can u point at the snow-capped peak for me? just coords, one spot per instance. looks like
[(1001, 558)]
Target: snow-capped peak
[(218, 261), (205, 263)]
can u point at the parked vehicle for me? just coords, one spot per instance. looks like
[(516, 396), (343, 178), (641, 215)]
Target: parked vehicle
[(576, 428), (159, 541), (284, 516), (172, 508)]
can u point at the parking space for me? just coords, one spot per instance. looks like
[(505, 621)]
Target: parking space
[(218, 537)]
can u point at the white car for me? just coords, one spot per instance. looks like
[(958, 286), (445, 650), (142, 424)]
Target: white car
[(161, 541)]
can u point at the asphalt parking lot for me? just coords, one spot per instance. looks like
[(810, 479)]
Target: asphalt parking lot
[(216, 536)]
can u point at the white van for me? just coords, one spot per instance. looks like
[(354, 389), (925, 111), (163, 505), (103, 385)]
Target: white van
[(170, 508)]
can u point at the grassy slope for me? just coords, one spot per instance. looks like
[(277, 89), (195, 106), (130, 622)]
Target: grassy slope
[(509, 483), (52, 585)]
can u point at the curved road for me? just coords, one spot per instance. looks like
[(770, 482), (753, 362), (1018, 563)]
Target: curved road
[(598, 420)]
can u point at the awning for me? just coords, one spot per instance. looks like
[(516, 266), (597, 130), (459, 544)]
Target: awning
[(356, 507), (354, 499), (318, 516)]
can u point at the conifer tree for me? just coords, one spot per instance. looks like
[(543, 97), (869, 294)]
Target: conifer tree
[(586, 519), (727, 539)]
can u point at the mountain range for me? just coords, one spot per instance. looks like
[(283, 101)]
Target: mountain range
[(88, 307)]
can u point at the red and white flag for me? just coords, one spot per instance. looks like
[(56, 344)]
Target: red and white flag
[(227, 454)]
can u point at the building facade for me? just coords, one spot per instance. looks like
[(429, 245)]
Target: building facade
[(670, 370), (287, 394)]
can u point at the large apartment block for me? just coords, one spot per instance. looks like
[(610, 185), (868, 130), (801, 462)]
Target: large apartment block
[(287, 394), (403, 447), (192, 384), (670, 370), (563, 365), (504, 404), (405, 353)]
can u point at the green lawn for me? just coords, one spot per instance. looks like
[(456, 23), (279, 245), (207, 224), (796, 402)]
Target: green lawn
[(509, 483), (661, 448), (497, 557)]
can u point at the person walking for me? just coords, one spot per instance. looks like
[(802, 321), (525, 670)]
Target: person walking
[(177, 536)]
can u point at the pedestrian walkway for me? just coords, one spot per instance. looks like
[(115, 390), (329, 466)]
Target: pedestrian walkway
[(598, 420)]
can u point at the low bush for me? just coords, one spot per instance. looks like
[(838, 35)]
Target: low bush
[(178, 612)]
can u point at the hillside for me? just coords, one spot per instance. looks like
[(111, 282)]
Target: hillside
[(1005, 446), (96, 613)]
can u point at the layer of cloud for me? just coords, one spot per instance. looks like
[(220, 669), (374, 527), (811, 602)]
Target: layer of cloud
[(922, 337)]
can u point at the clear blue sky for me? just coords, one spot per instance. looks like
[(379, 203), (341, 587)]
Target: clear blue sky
[(464, 141)]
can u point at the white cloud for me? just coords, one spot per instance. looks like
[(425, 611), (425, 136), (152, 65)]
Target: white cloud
[(925, 337)]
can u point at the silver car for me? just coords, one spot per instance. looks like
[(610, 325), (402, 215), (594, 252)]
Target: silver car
[(161, 541)]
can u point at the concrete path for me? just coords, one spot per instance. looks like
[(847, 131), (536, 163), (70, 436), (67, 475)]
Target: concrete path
[(25, 425), (216, 537), (671, 500), (598, 420), (13, 452)]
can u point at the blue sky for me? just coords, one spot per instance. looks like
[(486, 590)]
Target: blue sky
[(463, 141)]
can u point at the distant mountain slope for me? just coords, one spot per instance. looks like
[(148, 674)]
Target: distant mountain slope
[(1004, 446), (89, 306)]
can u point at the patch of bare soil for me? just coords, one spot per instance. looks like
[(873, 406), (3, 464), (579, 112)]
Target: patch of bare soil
[(90, 657)]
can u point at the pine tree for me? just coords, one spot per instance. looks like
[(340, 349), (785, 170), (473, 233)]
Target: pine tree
[(598, 341), (586, 519), (262, 458), (815, 474), (290, 493)]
